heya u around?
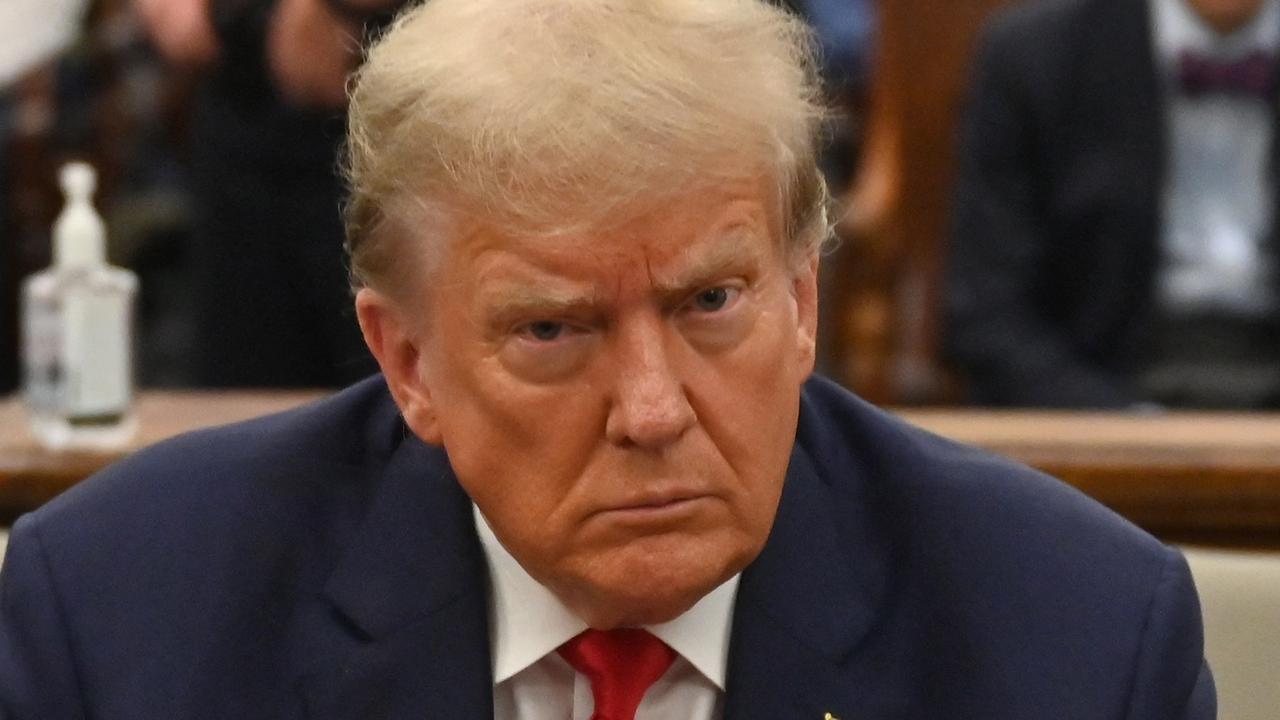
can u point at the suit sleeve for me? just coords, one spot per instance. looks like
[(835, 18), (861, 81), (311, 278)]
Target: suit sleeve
[(995, 331), (37, 675), (1172, 678)]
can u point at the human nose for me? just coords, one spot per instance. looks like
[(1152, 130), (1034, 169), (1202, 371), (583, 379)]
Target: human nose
[(650, 408)]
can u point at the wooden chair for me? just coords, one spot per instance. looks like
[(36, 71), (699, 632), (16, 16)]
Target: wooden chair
[(889, 268)]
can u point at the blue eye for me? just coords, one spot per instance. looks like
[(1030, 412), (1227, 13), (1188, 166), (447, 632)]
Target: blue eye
[(545, 330), (712, 299)]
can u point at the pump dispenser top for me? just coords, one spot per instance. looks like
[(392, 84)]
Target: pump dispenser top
[(79, 235)]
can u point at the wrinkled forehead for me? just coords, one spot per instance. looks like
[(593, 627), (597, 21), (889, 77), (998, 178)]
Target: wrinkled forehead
[(601, 275), (669, 221), (657, 261), (667, 226)]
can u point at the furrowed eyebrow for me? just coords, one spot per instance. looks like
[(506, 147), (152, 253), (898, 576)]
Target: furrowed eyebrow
[(735, 252), (508, 302)]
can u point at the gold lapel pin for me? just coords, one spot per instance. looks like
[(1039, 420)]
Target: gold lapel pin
[(829, 716)]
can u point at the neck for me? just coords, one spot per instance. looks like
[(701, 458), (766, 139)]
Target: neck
[(1225, 18)]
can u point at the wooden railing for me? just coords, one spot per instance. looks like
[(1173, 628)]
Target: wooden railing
[(1204, 478)]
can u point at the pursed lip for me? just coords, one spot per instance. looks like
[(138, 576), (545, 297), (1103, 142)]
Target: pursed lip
[(656, 502)]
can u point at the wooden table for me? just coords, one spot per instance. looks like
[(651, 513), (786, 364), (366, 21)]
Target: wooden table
[(1188, 477)]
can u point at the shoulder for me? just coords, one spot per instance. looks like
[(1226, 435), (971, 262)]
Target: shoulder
[(1046, 590), (185, 553), (216, 492), (962, 518)]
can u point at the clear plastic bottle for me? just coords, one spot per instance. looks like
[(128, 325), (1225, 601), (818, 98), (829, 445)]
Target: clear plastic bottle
[(77, 330)]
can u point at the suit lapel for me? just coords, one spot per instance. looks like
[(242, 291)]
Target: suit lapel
[(406, 632), (1123, 88), (805, 604), (1116, 117)]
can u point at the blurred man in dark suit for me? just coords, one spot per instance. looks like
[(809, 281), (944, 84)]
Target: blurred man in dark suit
[(1114, 241), (595, 478), (32, 34), (269, 294)]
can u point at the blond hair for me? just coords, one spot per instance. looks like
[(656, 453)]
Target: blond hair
[(553, 116)]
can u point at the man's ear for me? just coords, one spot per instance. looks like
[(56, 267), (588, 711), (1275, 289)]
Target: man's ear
[(392, 341), (805, 289)]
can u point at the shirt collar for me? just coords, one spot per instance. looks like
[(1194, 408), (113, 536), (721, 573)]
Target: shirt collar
[(527, 621)]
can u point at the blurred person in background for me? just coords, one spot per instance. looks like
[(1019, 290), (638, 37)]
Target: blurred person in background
[(845, 31), (1114, 237), (32, 32), (269, 285)]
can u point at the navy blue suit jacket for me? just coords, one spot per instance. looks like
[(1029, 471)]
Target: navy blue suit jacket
[(323, 564)]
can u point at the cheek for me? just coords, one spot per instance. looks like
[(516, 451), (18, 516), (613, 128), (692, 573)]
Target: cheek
[(502, 432), (495, 416), (749, 414), (763, 374), (518, 450), (748, 403)]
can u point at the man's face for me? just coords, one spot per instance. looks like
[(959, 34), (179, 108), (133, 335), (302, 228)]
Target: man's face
[(621, 406), (1226, 16)]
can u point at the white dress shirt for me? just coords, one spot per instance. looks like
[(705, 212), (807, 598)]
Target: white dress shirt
[(1218, 197), (532, 682)]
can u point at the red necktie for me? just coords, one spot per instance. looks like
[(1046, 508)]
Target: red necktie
[(621, 665)]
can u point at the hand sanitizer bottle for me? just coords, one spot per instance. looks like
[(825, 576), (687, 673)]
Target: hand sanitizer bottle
[(77, 328)]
